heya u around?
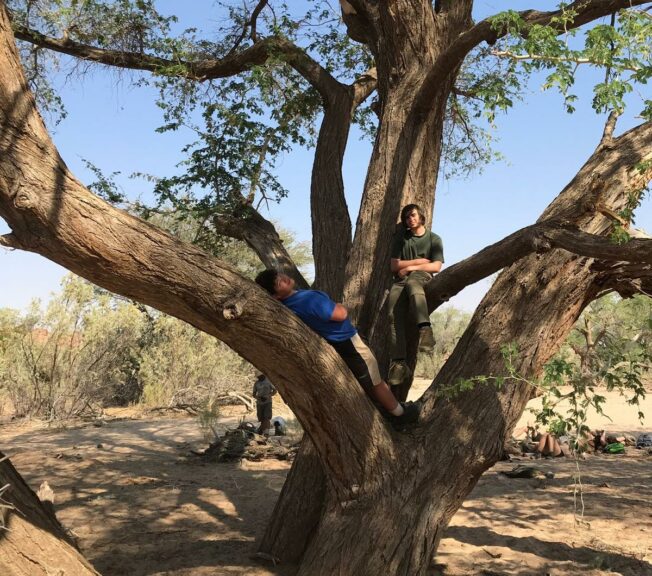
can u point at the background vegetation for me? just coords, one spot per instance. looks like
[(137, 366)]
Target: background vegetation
[(87, 350)]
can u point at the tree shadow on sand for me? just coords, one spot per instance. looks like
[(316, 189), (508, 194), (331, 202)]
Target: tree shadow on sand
[(139, 503)]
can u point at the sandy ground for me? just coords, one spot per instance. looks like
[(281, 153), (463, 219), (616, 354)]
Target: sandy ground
[(141, 505)]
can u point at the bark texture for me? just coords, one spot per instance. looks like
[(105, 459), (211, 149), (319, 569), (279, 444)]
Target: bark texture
[(32, 542), (52, 214), (361, 499), (331, 223), (261, 236)]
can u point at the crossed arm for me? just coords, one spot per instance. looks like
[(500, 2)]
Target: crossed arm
[(403, 267)]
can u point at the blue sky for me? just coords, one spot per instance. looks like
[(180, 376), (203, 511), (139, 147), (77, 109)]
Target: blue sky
[(112, 124)]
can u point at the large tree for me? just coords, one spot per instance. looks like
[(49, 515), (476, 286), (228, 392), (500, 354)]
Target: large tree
[(361, 498)]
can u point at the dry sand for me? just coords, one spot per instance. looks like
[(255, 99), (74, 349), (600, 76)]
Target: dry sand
[(141, 505)]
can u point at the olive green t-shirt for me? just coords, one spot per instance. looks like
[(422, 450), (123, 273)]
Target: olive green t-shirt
[(407, 246)]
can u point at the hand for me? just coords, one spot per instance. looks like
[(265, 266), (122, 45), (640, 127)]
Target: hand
[(403, 272)]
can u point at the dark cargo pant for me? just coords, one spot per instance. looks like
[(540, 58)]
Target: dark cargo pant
[(407, 297)]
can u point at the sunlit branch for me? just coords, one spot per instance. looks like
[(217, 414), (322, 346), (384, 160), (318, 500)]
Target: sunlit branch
[(537, 238)]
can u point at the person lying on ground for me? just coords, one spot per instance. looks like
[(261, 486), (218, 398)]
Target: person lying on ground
[(330, 320), (544, 443), (548, 445)]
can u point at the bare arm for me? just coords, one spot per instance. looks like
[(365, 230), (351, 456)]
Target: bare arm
[(339, 313), (396, 265), (428, 266)]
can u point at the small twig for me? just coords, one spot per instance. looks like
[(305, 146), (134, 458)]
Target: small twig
[(538, 57), (609, 127), (492, 554)]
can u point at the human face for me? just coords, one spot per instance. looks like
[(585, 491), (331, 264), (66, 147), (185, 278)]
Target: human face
[(284, 287), (413, 220)]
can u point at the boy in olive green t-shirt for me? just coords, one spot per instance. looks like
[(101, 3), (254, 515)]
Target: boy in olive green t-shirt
[(416, 255)]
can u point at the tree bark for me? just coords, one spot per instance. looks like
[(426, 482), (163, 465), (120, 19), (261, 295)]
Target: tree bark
[(387, 497), (261, 236), (331, 223), (298, 509), (32, 541), (52, 214), (407, 41)]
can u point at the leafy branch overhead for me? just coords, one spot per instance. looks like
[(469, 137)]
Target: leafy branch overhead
[(428, 64), (623, 49)]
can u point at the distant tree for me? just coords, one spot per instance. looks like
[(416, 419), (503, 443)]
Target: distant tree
[(610, 348), (71, 358)]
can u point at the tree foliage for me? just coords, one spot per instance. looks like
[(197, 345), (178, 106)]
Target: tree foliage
[(609, 349), (88, 349), (262, 68)]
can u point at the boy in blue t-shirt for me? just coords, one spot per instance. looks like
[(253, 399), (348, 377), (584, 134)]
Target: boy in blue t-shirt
[(330, 321)]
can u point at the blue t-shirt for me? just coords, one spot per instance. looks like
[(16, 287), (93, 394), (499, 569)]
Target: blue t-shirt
[(315, 308)]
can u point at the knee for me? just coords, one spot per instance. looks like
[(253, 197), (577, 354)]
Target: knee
[(414, 288)]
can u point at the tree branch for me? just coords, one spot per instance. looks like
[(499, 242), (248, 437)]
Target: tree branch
[(484, 31), (331, 222), (532, 57), (627, 279), (200, 70), (251, 23), (540, 237), (206, 69), (609, 127), (364, 86), (261, 236), (355, 18), (10, 241)]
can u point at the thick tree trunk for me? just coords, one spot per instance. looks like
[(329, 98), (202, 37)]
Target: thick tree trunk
[(52, 214), (387, 497), (32, 542), (298, 509), (533, 305), (406, 41), (403, 169)]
